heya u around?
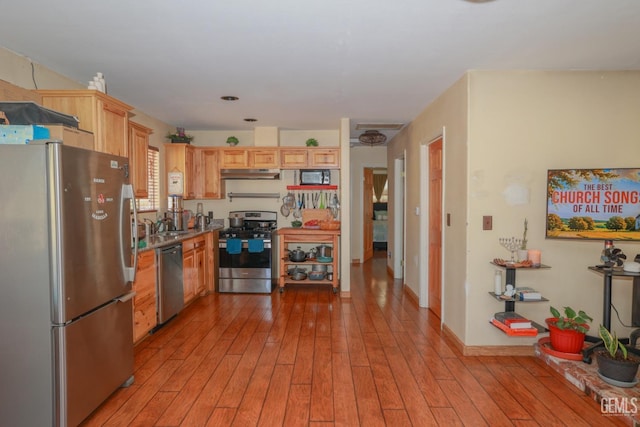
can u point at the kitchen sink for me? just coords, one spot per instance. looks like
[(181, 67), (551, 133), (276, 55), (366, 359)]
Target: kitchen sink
[(168, 234)]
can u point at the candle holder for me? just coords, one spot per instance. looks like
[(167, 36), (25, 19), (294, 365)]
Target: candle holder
[(512, 245)]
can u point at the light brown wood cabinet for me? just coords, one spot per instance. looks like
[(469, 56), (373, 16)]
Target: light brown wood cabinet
[(193, 267), (182, 158), (290, 238), (209, 185), (99, 113), (144, 302), (138, 165), (301, 158), (249, 158)]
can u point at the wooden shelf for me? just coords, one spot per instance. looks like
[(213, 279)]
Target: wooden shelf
[(312, 187), (296, 236)]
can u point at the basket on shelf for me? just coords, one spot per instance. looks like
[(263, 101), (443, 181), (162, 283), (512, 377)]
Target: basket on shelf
[(329, 225)]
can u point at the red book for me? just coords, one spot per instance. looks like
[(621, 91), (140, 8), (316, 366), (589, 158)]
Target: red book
[(518, 323), (527, 332)]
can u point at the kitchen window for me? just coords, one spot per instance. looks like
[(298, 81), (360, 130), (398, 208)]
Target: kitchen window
[(152, 202)]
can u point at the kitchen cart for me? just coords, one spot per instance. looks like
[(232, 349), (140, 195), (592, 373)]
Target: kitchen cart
[(290, 238)]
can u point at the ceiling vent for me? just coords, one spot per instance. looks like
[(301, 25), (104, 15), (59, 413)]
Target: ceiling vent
[(379, 126)]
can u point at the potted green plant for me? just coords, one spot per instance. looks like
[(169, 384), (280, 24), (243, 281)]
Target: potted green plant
[(615, 362), (232, 140), (179, 136), (567, 332), (312, 142)]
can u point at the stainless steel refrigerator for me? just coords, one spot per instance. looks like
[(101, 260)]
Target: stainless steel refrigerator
[(66, 338)]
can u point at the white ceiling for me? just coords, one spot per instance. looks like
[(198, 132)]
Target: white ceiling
[(306, 64)]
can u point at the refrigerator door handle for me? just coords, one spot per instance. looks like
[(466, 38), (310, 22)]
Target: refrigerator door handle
[(126, 297), (127, 194)]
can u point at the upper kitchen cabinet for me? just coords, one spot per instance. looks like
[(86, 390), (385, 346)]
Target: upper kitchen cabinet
[(99, 113), (300, 158), (182, 158), (249, 158), (138, 165), (208, 173)]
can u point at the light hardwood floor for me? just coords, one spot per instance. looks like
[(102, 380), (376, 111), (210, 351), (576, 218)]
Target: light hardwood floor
[(308, 358)]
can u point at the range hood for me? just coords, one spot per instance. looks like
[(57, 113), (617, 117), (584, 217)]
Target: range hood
[(250, 174)]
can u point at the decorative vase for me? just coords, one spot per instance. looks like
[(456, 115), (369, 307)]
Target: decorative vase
[(564, 340), (617, 369), (522, 255)]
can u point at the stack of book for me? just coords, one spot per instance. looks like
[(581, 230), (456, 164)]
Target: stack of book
[(514, 324), (527, 294)]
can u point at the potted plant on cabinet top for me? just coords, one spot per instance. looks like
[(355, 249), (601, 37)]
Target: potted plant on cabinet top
[(312, 142), (567, 332), (615, 363), (179, 136), (232, 140)]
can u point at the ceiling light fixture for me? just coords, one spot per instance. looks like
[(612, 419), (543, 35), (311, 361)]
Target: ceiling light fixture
[(372, 137), (229, 98), (249, 119)]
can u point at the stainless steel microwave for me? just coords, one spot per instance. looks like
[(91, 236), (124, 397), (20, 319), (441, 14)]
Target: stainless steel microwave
[(315, 177)]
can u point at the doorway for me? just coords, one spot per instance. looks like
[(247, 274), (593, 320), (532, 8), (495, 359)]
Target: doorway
[(375, 213)]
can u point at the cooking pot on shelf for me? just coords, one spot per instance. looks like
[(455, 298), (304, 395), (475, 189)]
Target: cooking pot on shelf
[(297, 273), (324, 251), (236, 222), (297, 255)]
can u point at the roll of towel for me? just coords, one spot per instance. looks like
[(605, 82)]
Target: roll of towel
[(255, 245)]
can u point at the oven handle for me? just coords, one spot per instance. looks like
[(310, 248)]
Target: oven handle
[(245, 244)]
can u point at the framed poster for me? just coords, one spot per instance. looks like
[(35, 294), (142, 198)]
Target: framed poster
[(601, 204)]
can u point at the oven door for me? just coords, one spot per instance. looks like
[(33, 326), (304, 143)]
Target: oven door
[(245, 272)]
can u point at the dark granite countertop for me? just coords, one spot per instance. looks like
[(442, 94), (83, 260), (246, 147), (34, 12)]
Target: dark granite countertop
[(172, 237)]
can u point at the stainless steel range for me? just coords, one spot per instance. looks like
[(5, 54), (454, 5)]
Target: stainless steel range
[(247, 254)]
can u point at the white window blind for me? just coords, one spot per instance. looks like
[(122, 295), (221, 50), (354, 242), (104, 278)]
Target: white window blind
[(152, 202)]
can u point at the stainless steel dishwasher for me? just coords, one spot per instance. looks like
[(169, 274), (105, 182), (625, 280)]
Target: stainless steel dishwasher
[(170, 283)]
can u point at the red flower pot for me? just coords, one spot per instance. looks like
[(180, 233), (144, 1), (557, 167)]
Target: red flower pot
[(564, 340)]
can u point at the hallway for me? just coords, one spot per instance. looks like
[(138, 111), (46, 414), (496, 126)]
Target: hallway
[(309, 358)]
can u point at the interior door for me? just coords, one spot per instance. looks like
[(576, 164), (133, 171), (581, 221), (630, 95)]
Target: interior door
[(367, 212), (435, 226)]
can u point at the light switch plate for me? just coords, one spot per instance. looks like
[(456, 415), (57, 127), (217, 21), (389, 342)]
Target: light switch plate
[(487, 222)]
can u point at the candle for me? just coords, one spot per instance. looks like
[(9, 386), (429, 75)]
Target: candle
[(534, 257)]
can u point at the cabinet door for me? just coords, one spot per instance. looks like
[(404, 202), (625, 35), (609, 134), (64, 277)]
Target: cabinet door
[(201, 262), (190, 186), (144, 303), (189, 274), (181, 158), (113, 127), (263, 158), (138, 166), (328, 158), (293, 158), (209, 175), (234, 158)]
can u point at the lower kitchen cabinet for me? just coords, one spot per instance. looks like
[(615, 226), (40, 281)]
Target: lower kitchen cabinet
[(144, 302), (193, 267)]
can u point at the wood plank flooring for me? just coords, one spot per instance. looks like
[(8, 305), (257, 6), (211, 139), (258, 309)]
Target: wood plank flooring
[(309, 358)]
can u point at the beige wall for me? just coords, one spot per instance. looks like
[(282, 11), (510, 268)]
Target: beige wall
[(445, 114), (361, 157), (520, 124)]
